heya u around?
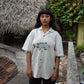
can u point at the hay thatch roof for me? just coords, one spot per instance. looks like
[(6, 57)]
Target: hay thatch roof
[(17, 15)]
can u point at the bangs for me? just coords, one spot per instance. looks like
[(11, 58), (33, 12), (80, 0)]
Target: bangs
[(45, 11)]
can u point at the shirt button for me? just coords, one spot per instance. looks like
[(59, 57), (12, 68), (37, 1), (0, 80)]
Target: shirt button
[(43, 35), (40, 59), (41, 50), (54, 68), (39, 67)]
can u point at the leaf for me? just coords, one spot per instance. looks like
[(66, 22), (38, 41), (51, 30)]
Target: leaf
[(68, 17), (64, 7), (79, 16), (64, 19), (83, 72), (67, 11), (63, 16), (81, 12), (83, 67)]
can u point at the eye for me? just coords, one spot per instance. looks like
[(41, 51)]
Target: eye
[(47, 16), (42, 16)]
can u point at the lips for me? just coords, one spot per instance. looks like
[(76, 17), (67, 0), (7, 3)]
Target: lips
[(44, 21)]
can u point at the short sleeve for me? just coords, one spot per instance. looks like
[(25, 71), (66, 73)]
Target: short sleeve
[(59, 46), (28, 42)]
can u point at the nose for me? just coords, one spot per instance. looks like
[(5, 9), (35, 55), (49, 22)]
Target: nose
[(44, 18)]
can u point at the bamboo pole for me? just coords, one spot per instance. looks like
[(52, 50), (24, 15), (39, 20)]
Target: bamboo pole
[(82, 37)]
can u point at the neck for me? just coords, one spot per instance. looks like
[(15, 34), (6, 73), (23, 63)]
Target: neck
[(45, 27)]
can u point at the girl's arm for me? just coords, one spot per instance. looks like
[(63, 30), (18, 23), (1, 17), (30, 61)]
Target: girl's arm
[(56, 72), (29, 70), (57, 64)]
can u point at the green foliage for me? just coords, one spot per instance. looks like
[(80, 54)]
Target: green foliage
[(83, 67), (78, 50), (69, 34), (67, 12), (83, 71)]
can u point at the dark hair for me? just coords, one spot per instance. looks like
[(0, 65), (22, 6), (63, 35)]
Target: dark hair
[(46, 11)]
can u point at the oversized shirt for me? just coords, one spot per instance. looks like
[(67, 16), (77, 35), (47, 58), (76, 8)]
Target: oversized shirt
[(44, 48)]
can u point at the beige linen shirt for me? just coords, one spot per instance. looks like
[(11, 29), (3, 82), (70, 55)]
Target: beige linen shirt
[(44, 47)]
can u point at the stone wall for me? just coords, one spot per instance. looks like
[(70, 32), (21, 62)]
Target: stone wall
[(19, 14)]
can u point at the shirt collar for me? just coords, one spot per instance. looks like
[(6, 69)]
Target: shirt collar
[(50, 30)]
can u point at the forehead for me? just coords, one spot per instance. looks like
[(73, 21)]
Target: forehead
[(44, 14)]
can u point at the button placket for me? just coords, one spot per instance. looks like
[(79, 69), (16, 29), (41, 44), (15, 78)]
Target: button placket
[(41, 60), (42, 50), (41, 56), (44, 35)]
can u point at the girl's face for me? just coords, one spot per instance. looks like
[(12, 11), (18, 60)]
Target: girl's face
[(45, 19)]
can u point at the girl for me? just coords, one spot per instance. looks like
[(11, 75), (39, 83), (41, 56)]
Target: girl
[(44, 49)]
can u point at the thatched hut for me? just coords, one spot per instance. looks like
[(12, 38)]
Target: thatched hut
[(17, 15), (17, 18)]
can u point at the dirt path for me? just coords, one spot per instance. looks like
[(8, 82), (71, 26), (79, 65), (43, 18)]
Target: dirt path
[(21, 77)]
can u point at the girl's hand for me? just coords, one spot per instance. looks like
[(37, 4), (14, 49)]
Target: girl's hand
[(55, 76), (29, 72)]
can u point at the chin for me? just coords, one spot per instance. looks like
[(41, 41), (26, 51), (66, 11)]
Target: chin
[(45, 24)]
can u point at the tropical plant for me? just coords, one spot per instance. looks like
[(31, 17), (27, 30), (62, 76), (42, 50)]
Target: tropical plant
[(78, 50), (83, 71), (67, 10), (67, 13)]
